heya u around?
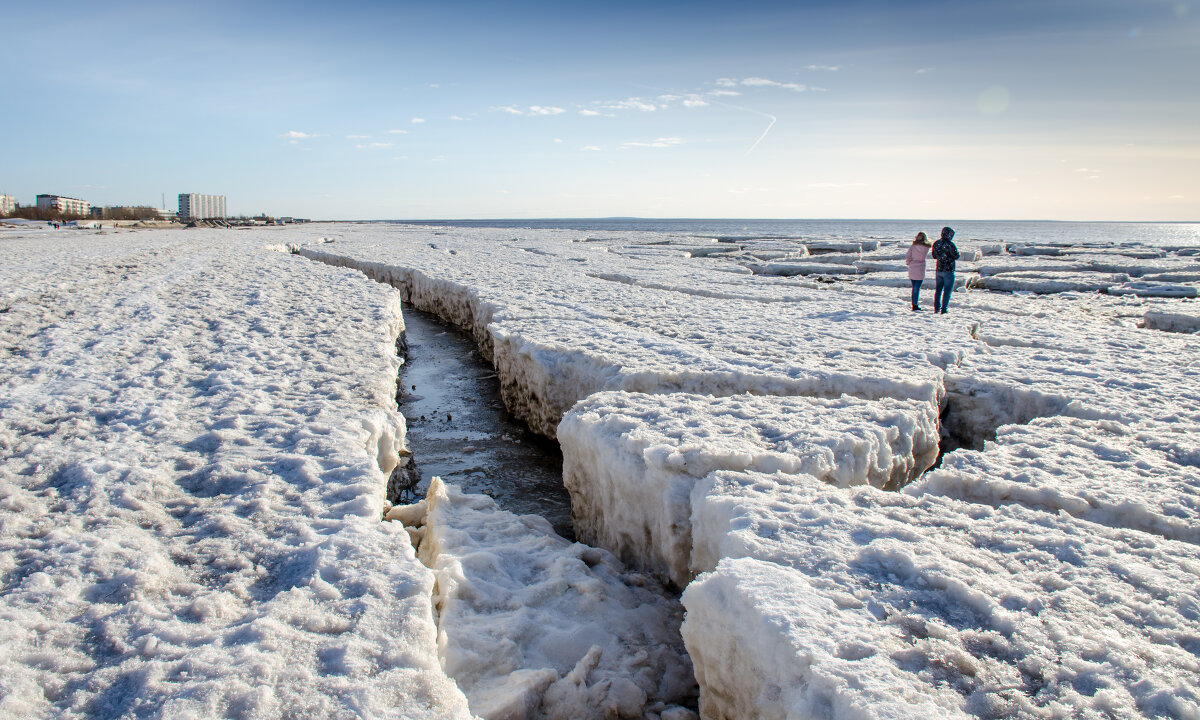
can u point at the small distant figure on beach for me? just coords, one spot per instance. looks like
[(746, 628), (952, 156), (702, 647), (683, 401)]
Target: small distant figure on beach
[(915, 260), (945, 252)]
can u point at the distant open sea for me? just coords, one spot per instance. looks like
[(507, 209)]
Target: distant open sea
[(1102, 234)]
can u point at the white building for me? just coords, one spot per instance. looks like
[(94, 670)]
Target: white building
[(8, 203), (193, 206), (64, 205)]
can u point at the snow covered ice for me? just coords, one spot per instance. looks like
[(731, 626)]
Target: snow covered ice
[(631, 460), (198, 431), (196, 437), (986, 612)]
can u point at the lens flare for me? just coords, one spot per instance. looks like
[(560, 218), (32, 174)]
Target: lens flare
[(994, 100)]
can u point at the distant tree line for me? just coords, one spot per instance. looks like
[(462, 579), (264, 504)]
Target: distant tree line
[(32, 212), (136, 212)]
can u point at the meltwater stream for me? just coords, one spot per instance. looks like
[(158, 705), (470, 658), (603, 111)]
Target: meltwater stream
[(459, 430)]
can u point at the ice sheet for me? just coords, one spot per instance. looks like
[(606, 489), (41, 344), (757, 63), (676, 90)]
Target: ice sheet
[(1091, 469), (1018, 612)]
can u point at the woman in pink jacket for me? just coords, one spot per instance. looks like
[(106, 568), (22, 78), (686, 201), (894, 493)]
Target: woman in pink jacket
[(915, 260)]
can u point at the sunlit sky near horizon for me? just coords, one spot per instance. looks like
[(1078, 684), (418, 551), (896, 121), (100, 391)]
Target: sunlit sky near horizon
[(1044, 109)]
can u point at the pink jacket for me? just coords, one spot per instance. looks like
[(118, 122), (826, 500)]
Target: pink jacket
[(915, 260)]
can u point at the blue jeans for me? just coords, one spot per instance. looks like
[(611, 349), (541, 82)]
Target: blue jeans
[(941, 292), (916, 290)]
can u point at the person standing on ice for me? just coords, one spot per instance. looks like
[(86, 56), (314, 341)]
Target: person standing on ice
[(915, 260), (945, 252)]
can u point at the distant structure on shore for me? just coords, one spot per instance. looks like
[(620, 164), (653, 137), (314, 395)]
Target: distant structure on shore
[(8, 203), (64, 205), (193, 206)]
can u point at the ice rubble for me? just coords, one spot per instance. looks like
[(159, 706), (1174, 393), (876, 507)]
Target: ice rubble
[(1183, 322), (531, 625), (196, 435), (630, 460)]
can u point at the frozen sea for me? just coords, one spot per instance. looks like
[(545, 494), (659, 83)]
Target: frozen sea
[(1078, 234), (794, 497)]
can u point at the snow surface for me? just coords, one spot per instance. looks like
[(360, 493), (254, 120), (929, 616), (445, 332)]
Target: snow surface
[(533, 626), (196, 436)]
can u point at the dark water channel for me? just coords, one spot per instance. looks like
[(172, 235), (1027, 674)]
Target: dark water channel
[(459, 430)]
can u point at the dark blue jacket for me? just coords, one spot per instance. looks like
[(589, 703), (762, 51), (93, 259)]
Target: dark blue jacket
[(945, 252)]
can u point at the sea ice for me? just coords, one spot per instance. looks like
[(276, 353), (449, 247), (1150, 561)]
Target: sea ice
[(630, 460), (1007, 611), (196, 436)]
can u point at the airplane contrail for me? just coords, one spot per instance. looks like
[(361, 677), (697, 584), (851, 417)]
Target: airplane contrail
[(764, 132)]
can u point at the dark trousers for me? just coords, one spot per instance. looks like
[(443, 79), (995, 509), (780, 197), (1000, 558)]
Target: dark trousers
[(916, 291), (941, 292)]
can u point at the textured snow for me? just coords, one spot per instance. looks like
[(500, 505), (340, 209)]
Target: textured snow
[(533, 626), (1007, 612), (1094, 469), (197, 433), (196, 436)]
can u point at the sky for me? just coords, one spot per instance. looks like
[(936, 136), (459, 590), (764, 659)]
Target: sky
[(969, 109)]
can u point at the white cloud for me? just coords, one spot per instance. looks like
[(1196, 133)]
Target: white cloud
[(924, 70), (726, 93), (631, 104), (456, 117), (373, 146), (589, 148), (656, 143), (590, 113), (297, 135), (531, 111), (418, 120), (726, 82), (829, 68), (397, 132), (558, 140), (764, 82)]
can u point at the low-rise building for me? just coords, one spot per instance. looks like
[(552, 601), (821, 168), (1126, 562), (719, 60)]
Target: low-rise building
[(63, 204), (8, 203), (193, 206)]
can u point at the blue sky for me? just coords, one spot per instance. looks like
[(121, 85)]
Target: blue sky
[(1054, 109)]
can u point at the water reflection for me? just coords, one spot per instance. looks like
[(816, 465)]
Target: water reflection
[(459, 430)]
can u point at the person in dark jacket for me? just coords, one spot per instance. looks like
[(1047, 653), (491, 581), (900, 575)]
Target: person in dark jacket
[(945, 252)]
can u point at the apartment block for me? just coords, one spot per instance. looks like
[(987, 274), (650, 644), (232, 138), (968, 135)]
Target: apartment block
[(193, 206), (63, 204)]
